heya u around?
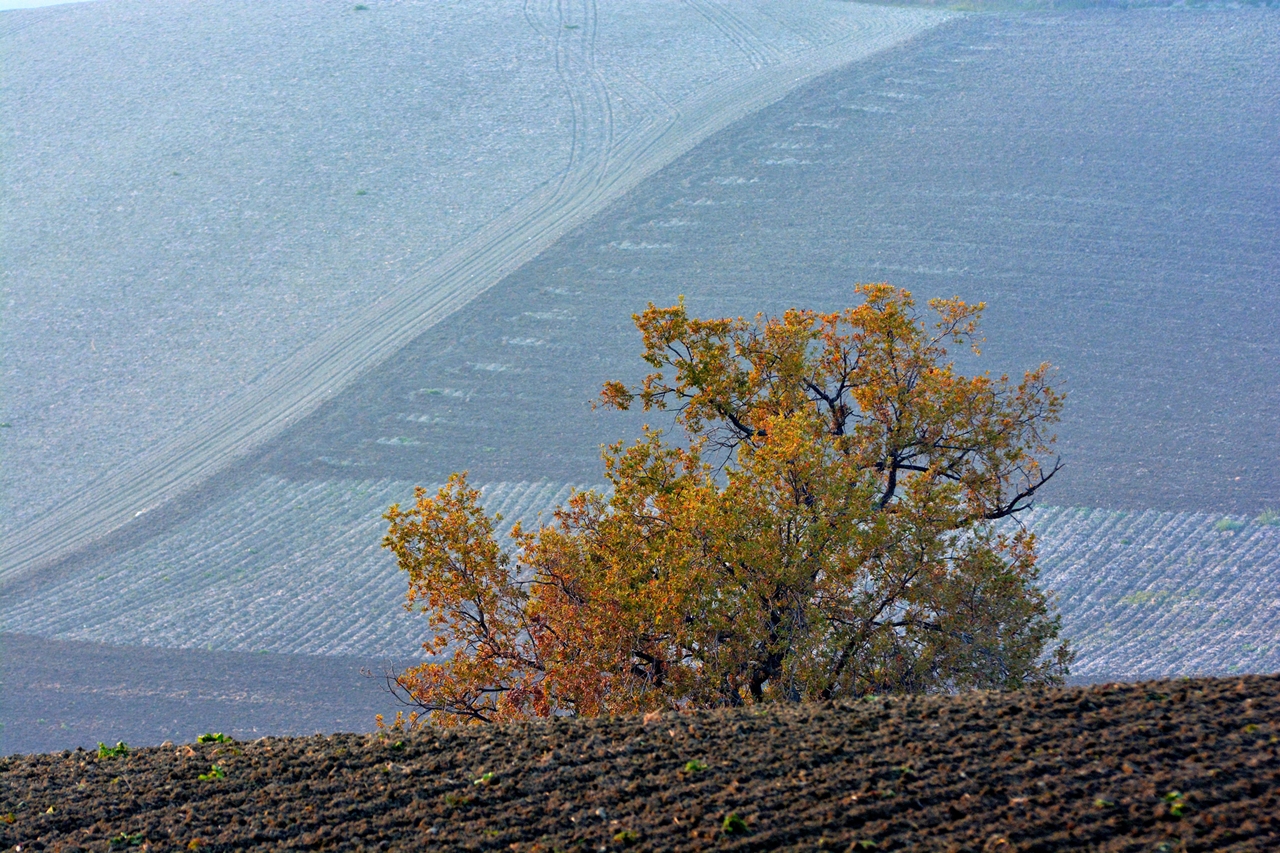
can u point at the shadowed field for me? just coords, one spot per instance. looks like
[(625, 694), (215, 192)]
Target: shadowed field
[(62, 694)]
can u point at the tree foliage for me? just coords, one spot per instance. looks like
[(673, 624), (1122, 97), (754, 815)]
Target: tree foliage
[(825, 527)]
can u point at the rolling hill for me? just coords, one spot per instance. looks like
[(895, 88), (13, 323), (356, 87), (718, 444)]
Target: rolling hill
[(268, 268)]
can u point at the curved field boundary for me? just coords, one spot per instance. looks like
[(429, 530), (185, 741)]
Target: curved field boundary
[(601, 169)]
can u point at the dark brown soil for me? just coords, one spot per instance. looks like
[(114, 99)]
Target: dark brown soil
[(1173, 765)]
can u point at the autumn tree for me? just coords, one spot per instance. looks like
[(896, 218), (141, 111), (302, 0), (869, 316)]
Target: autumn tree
[(830, 525)]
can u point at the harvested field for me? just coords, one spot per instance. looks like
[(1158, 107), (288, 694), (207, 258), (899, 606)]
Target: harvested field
[(1179, 765)]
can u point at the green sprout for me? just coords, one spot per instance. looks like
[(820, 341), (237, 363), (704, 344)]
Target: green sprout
[(1102, 804), (214, 737), (215, 772), (454, 800), (627, 836), (1228, 525), (1176, 804), (124, 839), (120, 750), (487, 779), (733, 824), (1269, 517), (693, 765)]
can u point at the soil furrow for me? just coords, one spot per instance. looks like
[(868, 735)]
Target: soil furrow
[(1175, 765)]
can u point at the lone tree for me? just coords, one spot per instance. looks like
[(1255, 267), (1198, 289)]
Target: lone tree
[(827, 528)]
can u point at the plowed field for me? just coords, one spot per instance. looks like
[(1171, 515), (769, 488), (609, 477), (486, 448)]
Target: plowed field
[(1173, 765)]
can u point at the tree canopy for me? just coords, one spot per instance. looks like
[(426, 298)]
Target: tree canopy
[(827, 524)]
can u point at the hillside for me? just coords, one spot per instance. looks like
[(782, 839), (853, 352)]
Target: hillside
[(1175, 765), (204, 203)]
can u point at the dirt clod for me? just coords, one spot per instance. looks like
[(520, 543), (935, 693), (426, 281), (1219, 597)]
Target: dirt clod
[(1178, 765)]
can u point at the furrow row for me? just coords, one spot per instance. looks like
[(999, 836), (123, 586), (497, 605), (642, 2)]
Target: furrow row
[(289, 566)]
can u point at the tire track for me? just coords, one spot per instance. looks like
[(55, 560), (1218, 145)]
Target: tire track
[(599, 172), (743, 36), (569, 27)]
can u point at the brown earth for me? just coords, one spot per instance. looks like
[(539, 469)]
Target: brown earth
[(1173, 765)]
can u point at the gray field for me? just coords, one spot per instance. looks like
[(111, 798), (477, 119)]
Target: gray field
[(486, 131), (62, 694), (1108, 182)]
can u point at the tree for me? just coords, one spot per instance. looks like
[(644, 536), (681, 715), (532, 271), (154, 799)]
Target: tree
[(828, 527)]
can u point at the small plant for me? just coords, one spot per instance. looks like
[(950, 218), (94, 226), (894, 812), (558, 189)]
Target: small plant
[(886, 793), (402, 723), (215, 772), (1176, 804), (362, 192), (1228, 525), (8, 818), (454, 800), (1269, 517), (1102, 804), (195, 844), (733, 824), (214, 737), (120, 750), (693, 765), (486, 780), (398, 745), (865, 844), (125, 839), (360, 7), (627, 837)]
